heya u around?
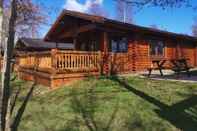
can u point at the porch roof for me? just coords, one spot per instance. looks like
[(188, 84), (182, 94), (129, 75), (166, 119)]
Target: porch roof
[(115, 24), (31, 44)]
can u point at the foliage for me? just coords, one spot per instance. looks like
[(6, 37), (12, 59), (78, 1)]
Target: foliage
[(124, 11), (30, 17), (159, 3), (97, 9), (194, 28)]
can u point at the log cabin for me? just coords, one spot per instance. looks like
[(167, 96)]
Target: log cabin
[(79, 45)]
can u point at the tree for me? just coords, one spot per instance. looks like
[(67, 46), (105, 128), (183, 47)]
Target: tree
[(1, 17), (97, 9), (30, 18), (159, 3), (154, 26), (23, 14), (5, 113), (1, 35), (124, 11), (1, 23), (194, 28), (124, 7)]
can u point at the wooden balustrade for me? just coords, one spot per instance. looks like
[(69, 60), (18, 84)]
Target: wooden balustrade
[(35, 60), (77, 60), (71, 61)]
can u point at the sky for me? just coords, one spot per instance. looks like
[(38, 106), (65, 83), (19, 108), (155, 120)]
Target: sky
[(178, 20)]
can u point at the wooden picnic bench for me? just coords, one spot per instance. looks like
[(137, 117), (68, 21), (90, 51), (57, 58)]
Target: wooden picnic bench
[(178, 66), (181, 65), (160, 66)]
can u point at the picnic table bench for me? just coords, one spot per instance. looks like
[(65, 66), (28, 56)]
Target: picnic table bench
[(178, 66), (181, 65), (159, 64)]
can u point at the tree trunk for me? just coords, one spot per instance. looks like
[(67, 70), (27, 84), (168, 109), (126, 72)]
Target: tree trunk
[(5, 114), (1, 23), (1, 35)]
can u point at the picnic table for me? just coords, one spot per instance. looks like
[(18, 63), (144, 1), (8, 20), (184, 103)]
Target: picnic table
[(160, 66), (178, 66)]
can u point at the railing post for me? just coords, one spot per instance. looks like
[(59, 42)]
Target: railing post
[(99, 62), (53, 60), (36, 61)]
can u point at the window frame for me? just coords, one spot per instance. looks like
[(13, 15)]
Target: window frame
[(150, 41), (118, 47)]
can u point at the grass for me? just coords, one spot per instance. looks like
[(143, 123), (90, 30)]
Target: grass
[(111, 104)]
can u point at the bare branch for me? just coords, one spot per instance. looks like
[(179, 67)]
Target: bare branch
[(159, 3)]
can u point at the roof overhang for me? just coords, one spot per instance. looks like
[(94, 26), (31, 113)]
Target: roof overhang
[(113, 24)]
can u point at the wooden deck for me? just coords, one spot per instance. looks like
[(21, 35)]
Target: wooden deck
[(55, 68)]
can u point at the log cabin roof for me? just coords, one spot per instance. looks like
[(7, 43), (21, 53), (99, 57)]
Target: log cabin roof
[(115, 24), (39, 44)]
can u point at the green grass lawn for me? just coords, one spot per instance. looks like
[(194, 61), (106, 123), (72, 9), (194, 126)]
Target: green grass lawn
[(111, 104)]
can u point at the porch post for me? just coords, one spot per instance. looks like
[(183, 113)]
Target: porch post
[(75, 35), (178, 50), (53, 67), (105, 54), (75, 41)]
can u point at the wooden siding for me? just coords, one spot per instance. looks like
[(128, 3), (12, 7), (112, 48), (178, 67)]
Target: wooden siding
[(119, 63), (142, 56), (171, 51), (188, 51)]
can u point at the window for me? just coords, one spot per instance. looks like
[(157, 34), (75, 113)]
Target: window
[(114, 46), (156, 48), (119, 45)]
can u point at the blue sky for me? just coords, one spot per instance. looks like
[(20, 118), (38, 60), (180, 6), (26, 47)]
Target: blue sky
[(177, 20)]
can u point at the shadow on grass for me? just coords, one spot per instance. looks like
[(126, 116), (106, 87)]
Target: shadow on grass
[(85, 107), (21, 110), (176, 114)]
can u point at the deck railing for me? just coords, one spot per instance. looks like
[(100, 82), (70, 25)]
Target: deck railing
[(76, 60), (35, 60), (69, 61)]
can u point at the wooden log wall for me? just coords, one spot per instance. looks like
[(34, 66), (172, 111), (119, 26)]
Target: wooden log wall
[(119, 63), (188, 51), (142, 56), (170, 50)]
